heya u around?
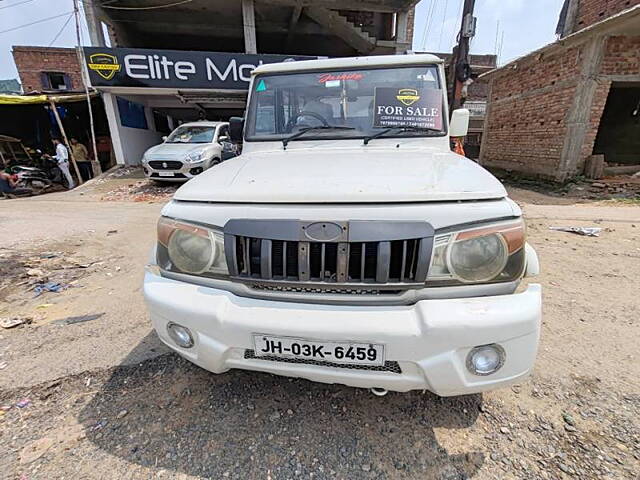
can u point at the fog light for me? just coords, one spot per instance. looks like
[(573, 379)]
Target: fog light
[(179, 334), (196, 171), (485, 359)]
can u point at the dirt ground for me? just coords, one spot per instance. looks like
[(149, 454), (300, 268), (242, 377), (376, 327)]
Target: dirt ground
[(88, 392)]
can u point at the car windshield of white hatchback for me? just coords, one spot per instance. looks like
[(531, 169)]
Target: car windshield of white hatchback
[(192, 134), (406, 101)]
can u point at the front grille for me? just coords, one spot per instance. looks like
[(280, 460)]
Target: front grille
[(389, 366), (328, 262), (355, 256), (170, 164)]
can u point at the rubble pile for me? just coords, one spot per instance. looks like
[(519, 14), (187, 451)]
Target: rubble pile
[(617, 187), (140, 191), (621, 187), (35, 274), (134, 172)]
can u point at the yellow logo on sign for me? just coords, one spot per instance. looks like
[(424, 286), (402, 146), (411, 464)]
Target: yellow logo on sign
[(408, 96), (104, 65)]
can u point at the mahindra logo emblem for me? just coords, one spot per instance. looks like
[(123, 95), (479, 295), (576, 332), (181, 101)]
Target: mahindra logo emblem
[(323, 231), (164, 165)]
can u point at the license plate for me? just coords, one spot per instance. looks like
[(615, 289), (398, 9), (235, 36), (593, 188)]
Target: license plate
[(165, 174), (335, 352)]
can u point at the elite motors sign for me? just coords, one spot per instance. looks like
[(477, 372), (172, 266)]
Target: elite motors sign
[(132, 67)]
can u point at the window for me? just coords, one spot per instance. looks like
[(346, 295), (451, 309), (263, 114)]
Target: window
[(161, 122), (131, 114), (56, 81), (192, 134), (223, 132), (282, 104)]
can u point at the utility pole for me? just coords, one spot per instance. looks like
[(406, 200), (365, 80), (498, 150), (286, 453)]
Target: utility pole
[(95, 164), (460, 71)]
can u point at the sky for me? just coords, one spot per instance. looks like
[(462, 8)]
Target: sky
[(523, 26)]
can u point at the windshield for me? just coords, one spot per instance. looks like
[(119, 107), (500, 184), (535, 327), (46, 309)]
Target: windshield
[(192, 134), (367, 101)]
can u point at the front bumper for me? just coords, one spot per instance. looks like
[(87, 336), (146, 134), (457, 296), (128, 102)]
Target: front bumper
[(182, 174), (429, 340)]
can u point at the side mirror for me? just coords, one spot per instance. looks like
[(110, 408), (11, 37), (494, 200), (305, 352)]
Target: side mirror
[(236, 125), (164, 138), (459, 125), (222, 139)]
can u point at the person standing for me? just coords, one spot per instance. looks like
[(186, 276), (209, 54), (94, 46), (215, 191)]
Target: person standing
[(80, 153), (62, 157)]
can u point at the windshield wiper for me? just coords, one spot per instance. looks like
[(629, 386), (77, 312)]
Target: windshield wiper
[(402, 129), (302, 131)]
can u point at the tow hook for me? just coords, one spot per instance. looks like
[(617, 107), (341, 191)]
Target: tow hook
[(379, 392)]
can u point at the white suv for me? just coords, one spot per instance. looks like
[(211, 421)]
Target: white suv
[(191, 149), (347, 243)]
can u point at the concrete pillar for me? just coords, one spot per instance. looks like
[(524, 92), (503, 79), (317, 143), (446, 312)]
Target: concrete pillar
[(579, 114), (402, 23), (93, 14), (113, 119), (249, 23)]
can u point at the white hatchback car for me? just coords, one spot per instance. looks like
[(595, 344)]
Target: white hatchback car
[(191, 149)]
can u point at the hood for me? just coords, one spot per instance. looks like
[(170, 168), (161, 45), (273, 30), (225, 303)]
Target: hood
[(343, 175), (173, 151)]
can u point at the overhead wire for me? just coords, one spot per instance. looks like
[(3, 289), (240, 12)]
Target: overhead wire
[(427, 24), (16, 4), (61, 30), (444, 19), (150, 7), (455, 34), (36, 22)]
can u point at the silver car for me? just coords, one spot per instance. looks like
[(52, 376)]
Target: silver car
[(189, 150)]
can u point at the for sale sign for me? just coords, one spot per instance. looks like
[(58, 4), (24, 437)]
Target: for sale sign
[(407, 107)]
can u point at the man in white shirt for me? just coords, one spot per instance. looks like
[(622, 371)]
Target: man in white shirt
[(62, 157)]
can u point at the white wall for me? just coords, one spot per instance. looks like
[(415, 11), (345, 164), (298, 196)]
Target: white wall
[(129, 144)]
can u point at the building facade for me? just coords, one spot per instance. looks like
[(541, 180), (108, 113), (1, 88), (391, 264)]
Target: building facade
[(550, 110), (48, 69), (221, 42)]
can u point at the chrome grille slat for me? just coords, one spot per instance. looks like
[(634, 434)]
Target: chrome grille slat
[(266, 259), (304, 265), (404, 260), (342, 262)]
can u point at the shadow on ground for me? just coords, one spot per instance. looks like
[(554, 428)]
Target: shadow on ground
[(170, 414)]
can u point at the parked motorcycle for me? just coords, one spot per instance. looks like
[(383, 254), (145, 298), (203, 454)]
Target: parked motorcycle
[(39, 177)]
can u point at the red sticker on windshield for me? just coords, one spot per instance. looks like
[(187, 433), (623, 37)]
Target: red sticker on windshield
[(330, 77)]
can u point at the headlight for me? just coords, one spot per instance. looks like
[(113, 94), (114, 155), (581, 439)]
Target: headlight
[(191, 249), (486, 254), (194, 157)]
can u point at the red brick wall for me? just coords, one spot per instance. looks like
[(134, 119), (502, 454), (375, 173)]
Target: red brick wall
[(524, 128), (32, 61), (622, 56), (594, 11)]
